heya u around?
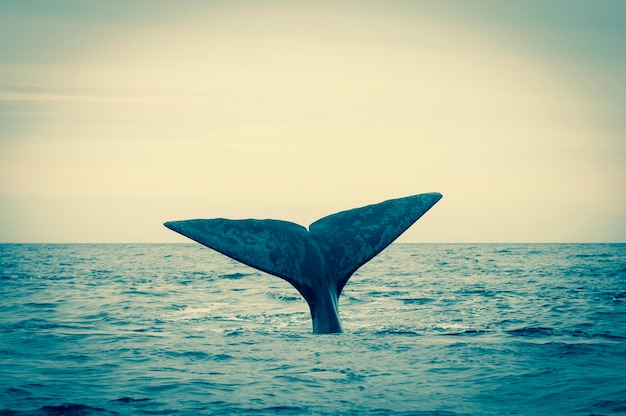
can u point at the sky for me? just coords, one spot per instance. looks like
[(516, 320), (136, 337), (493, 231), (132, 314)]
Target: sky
[(117, 116)]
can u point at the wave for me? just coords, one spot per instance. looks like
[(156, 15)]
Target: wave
[(545, 332), (416, 301), (61, 410), (398, 331), (619, 296), (470, 332), (533, 332), (236, 276), (130, 400), (284, 298)]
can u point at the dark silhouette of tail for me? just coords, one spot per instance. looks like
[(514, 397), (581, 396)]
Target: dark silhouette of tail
[(319, 261)]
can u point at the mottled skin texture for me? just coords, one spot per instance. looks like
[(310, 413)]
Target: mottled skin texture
[(318, 262)]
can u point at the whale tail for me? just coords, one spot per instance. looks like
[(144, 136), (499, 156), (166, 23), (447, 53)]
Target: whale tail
[(319, 261)]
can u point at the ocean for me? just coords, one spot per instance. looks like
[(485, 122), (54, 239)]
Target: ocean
[(430, 329)]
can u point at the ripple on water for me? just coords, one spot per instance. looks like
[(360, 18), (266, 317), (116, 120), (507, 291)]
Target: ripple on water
[(176, 329)]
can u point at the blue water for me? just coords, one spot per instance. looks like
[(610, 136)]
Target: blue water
[(430, 329)]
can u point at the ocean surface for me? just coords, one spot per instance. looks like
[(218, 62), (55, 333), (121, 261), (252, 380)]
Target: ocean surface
[(430, 329)]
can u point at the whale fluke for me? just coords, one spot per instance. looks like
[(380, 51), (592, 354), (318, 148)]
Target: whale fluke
[(319, 261)]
